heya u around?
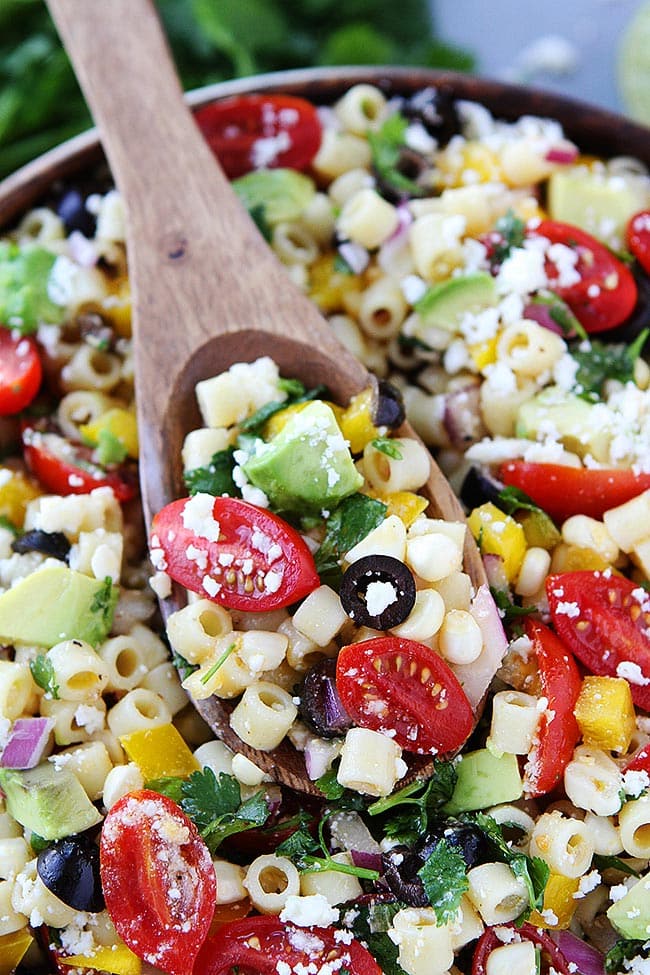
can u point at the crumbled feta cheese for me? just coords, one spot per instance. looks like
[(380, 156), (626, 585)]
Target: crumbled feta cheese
[(309, 910)]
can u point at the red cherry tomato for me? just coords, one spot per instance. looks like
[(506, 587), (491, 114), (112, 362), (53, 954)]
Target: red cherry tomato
[(558, 730), (404, 687), (158, 880), (20, 372), (606, 293), (66, 468), (255, 945), (258, 562), (490, 940), (565, 491), (261, 132), (637, 238), (640, 761), (605, 621)]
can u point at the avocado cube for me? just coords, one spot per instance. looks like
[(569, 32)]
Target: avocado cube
[(484, 780), (631, 914), (51, 803)]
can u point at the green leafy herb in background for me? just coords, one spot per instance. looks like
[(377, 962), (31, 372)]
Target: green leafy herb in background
[(532, 870), (43, 674), (386, 146), (41, 105), (354, 518), (444, 876), (215, 478), (599, 362)]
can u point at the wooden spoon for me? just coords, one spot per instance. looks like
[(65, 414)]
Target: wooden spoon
[(207, 290)]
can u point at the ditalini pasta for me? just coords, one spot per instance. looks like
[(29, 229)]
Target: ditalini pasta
[(493, 278)]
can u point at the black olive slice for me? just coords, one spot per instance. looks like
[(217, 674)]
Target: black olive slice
[(320, 705), (466, 838), (49, 543), (69, 869), (72, 210), (389, 407), (400, 874), (378, 591)]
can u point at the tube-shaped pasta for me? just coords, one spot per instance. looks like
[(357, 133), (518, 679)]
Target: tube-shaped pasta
[(138, 710), (14, 855), (90, 762), (515, 716), (564, 844), (164, 681), (264, 715), (519, 957), (335, 887), (407, 468), (339, 152), (80, 672), (16, 688), (270, 880), (425, 947), (496, 893), (382, 309), (124, 662), (81, 407), (194, 629), (529, 349), (367, 219), (388, 538), (361, 108), (593, 781), (10, 919), (634, 827), (230, 882), (294, 244), (320, 616), (91, 368), (370, 762)]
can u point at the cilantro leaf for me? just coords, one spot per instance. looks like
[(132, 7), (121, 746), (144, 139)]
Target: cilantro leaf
[(387, 446), (44, 675), (601, 361), (340, 265), (292, 387), (532, 870), (603, 862), (257, 214), (110, 449), (444, 876), (215, 478), (370, 924), (354, 518), (412, 821), (214, 804), (298, 844), (511, 499), (104, 600), (512, 230), (509, 611), (169, 786), (330, 786), (386, 146), (183, 666), (624, 952)]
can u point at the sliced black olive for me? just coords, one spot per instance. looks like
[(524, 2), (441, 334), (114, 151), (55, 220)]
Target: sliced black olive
[(411, 165), (378, 591), (478, 487), (320, 705), (436, 109), (72, 210), (69, 868), (467, 838), (49, 543), (400, 874), (389, 406)]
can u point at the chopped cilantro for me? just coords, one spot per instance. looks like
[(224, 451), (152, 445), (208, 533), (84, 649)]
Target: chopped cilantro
[(37, 842), (620, 957), (103, 604), (169, 786), (412, 821), (508, 610), (43, 674), (602, 862), (444, 876), (209, 674), (354, 518), (341, 266), (292, 387), (386, 146), (387, 446), (371, 925), (330, 786), (532, 870), (601, 361), (183, 666), (25, 300), (512, 230), (215, 478), (298, 844), (512, 499), (110, 449)]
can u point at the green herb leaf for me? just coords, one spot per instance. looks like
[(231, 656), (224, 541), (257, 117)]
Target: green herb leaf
[(215, 478), (619, 958), (43, 674), (25, 301), (512, 499), (258, 216), (600, 361), (508, 611), (254, 423), (183, 666), (340, 265), (354, 518), (218, 664), (297, 845), (560, 313), (532, 870), (386, 147), (387, 446), (602, 862), (330, 786), (169, 786), (370, 924), (37, 842), (444, 876), (104, 600), (9, 525), (412, 821), (513, 231), (110, 449), (214, 804)]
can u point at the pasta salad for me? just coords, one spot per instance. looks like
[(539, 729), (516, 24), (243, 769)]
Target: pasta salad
[(495, 280)]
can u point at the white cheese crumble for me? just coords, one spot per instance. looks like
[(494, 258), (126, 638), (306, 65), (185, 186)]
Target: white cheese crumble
[(309, 910), (197, 517)]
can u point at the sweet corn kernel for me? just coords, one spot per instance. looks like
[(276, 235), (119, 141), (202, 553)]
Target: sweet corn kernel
[(559, 903), (12, 949), (16, 491), (499, 534), (572, 558), (115, 959), (605, 713), (120, 423), (159, 752), (356, 422), (473, 162)]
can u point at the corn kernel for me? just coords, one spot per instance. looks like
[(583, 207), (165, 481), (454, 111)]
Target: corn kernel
[(12, 949), (605, 713), (356, 422), (499, 534), (472, 160), (15, 493), (116, 959), (117, 421), (159, 753), (559, 901)]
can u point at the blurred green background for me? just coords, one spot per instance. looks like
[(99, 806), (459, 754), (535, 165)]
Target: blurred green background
[(41, 105)]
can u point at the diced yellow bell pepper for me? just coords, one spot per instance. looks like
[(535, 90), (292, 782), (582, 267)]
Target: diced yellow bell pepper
[(605, 712), (118, 960), (15, 493), (356, 422), (119, 422), (116, 307), (280, 419), (484, 353), (12, 949), (559, 900), (328, 287), (499, 534), (159, 752), (404, 504)]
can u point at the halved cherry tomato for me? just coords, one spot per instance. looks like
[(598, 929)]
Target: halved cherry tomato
[(256, 945), (20, 371), (490, 940), (637, 238), (261, 132), (66, 468), (407, 689), (232, 552), (565, 491), (158, 880), (558, 730), (606, 293), (605, 621), (640, 761)]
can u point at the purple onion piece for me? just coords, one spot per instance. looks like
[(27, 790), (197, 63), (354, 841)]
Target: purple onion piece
[(368, 861), (589, 961), (564, 153), (27, 742), (542, 315), (320, 704)]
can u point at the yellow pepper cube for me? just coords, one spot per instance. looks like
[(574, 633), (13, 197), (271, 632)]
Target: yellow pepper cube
[(559, 903), (499, 534), (405, 504), (16, 491), (120, 423), (484, 353), (279, 420), (159, 753), (328, 287), (12, 949), (117, 960), (605, 712), (117, 307), (574, 558), (356, 422)]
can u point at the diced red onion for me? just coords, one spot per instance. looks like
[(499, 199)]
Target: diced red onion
[(564, 152), (494, 571), (319, 755), (369, 861), (397, 240), (461, 418), (542, 315), (27, 743), (355, 256), (477, 676), (589, 961)]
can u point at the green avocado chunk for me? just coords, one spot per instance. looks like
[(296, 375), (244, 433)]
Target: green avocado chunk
[(484, 780), (631, 914), (599, 203), (51, 803), (445, 305), (282, 193), (307, 467), (25, 301), (54, 604), (578, 426)]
